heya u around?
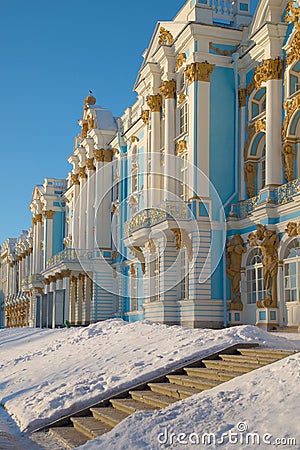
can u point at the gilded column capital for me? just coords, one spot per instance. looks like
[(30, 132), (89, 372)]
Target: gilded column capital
[(242, 97), (90, 164), (99, 155), (145, 116), (38, 218), (271, 69), (199, 72), (108, 154), (74, 178), (168, 89), (154, 102), (66, 273), (82, 172), (48, 214)]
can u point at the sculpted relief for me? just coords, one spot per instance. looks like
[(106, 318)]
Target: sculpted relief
[(234, 254)]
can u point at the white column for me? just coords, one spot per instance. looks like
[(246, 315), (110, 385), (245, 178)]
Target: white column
[(145, 118), (99, 160), (198, 75), (155, 103), (103, 197), (37, 243), (90, 216), (273, 132), (48, 234), (75, 211), (168, 89), (82, 208), (242, 103)]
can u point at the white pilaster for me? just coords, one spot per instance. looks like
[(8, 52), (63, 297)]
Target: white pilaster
[(168, 89), (273, 132), (154, 103)]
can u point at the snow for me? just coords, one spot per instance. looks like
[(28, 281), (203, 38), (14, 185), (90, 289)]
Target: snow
[(47, 374), (265, 401)]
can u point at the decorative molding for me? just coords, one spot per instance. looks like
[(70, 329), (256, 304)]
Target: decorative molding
[(132, 270), (181, 59), (150, 246), (181, 98), (290, 106), (168, 89), (242, 97), (145, 116), (99, 156), (260, 125), (154, 102), (84, 129), (293, 229), (90, 164), (293, 50), (292, 14), (288, 160), (82, 172), (75, 178), (165, 37), (182, 239), (223, 52), (271, 69), (38, 218), (91, 122), (181, 146), (199, 71), (138, 253), (133, 139), (250, 175)]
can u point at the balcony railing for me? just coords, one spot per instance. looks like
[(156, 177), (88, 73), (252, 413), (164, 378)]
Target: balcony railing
[(149, 217), (272, 196), (74, 255), (35, 278)]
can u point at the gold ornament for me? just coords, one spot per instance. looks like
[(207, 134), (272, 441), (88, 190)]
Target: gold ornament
[(271, 69), (168, 89), (165, 37), (181, 59), (199, 71)]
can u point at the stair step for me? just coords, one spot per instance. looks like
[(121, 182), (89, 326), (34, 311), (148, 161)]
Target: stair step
[(266, 352), (210, 374), (69, 436), (109, 415), (252, 359), (194, 382), (173, 390), (229, 366), (90, 427), (129, 406), (152, 398)]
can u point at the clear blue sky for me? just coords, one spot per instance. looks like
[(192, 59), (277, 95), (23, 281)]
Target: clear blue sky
[(52, 53)]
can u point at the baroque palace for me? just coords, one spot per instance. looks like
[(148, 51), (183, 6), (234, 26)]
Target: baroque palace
[(186, 210)]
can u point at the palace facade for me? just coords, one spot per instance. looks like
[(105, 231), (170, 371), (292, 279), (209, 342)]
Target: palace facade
[(185, 210)]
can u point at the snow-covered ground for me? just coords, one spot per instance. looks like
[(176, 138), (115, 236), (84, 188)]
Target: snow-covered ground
[(46, 374), (261, 408)]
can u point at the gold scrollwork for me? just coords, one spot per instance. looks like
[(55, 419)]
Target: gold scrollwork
[(165, 37)]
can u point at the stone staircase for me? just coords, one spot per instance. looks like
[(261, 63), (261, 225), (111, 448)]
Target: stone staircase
[(162, 392)]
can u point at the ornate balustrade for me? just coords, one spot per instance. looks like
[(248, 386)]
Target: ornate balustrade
[(272, 196), (74, 255)]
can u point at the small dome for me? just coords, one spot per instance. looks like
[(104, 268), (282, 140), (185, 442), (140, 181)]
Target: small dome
[(90, 99)]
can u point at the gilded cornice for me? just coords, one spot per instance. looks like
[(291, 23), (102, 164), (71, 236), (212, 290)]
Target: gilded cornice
[(199, 71), (145, 116), (271, 69), (168, 89), (242, 97), (154, 102), (292, 14), (74, 178), (181, 59), (90, 164), (82, 172), (165, 37), (290, 107), (293, 50)]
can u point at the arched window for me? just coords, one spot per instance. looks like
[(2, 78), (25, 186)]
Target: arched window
[(254, 277), (292, 272), (258, 104), (294, 79)]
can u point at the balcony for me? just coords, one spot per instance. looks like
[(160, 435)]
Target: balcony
[(272, 196), (34, 280), (149, 217), (72, 255)]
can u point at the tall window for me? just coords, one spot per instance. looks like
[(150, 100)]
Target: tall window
[(254, 277), (292, 272), (262, 170), (183, 119), (134, 292), (184, 192), (184, 276)]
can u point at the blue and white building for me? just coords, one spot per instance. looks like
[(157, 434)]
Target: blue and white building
[(185, 210)]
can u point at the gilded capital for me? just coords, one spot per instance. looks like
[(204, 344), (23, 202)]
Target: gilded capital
[(38, 218), (99, 156), (168, 89), (271, 69), (145, 116), (90, 164), (199, 71), (82, 172), (48, 214), (74, 178), (107, 154), (154, 102), (181, 59), (242, 97)]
